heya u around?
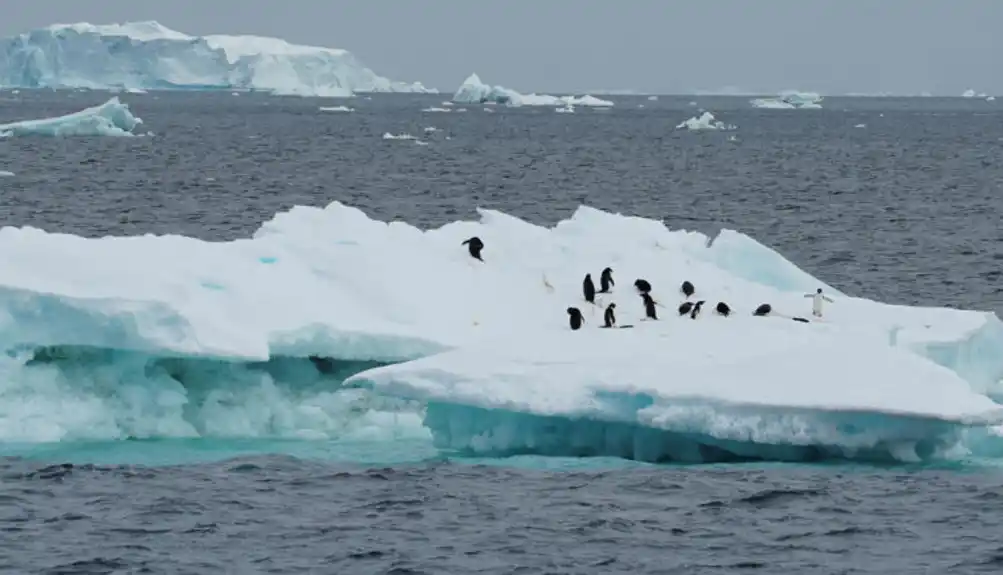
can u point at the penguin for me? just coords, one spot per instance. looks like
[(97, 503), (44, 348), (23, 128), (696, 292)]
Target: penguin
[(642, 286), (609, 317), (589, 289), (474, 246), (575, 318), (687, 289), (685, 307), (763, 310), (723, 309), (649, 306), (696, 309), (800, 319), (606, 280)]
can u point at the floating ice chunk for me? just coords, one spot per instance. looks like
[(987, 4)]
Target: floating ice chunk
[(336, 109), (434, 109), (652, 98), (473, 91), (6, 174), (968, 93), (112, 118), (706, 121), (991, 99), (790, 100), (401, 136), (860, 126), (307, 285)]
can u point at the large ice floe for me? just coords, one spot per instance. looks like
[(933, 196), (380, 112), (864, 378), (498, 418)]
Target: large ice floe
[(790, 100), (112, 118), (149, 56), (328, 323), (474, 91)]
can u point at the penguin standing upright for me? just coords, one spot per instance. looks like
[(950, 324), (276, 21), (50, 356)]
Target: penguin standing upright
[(609, 316), (474, 246), (606, 280), (589, 289), (649, 306), (575, 318)]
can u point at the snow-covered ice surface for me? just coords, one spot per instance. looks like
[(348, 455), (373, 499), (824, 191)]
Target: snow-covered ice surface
[(148, 55), (112, 118), (474, 91), (499, 372), (705, 121)]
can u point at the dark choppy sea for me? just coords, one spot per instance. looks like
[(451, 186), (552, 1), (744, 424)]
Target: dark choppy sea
[(894, 199)]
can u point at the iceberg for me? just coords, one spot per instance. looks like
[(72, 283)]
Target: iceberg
[(112, 118), (790, 100), (706, 121), (150, 56), (327, 323), (473, 91)]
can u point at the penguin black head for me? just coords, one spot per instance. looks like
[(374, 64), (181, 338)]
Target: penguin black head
[(607, 272), (687, 288), (819, 290), (573, 311)]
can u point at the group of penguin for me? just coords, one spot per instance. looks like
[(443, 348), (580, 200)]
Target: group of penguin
[(693, 309), (577, 320)]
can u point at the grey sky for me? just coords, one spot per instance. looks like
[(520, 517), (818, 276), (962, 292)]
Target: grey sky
[(664, 46)]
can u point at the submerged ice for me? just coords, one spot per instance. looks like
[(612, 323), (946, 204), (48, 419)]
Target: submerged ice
[(148, 56), (112, 118), (172, 336)]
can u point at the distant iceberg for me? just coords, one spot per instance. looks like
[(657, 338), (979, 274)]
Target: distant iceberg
[(474, 91), (706, 121), (112, 118), (149, 56), (790, 100)]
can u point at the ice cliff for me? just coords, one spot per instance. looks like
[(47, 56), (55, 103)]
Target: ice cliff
[(473, 91), (150, 56), (173, 336)]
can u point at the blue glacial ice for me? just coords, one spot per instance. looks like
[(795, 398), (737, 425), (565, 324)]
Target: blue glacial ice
[(328, 324), (149, 56), (112, 118)]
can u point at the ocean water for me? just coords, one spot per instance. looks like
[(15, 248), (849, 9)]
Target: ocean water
[(904, 209)]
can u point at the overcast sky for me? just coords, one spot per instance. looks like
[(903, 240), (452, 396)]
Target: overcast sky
[(664, 46)]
